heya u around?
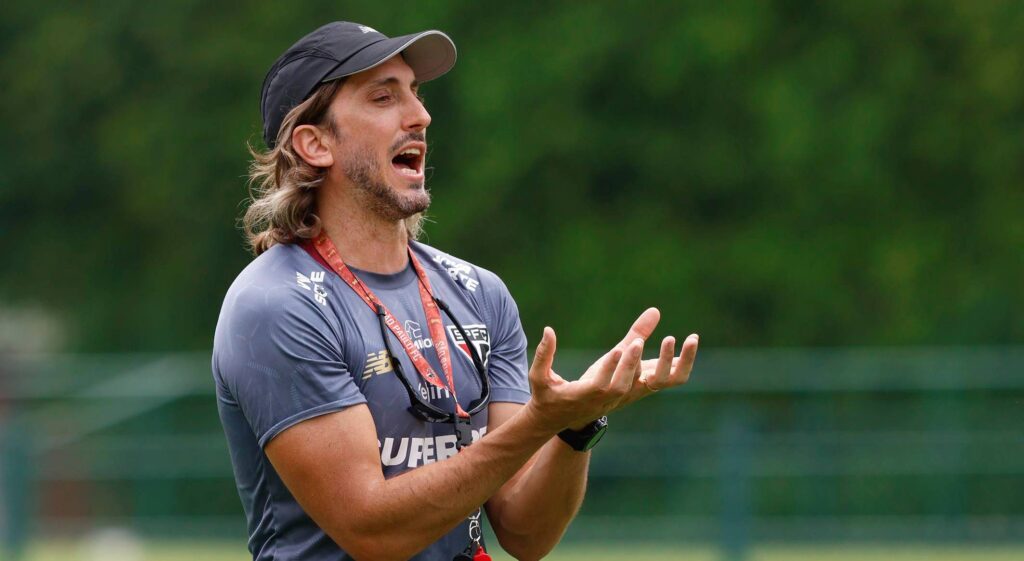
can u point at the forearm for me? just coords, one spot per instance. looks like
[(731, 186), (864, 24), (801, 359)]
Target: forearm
[(332, 467), (429, 501), (531, 513)]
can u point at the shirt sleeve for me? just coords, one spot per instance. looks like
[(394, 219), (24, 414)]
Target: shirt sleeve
[(506, 365), (277, 356)]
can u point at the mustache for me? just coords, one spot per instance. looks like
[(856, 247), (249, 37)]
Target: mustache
[(411, 137)]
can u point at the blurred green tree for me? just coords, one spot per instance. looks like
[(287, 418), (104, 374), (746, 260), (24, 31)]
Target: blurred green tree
[(768, 173)]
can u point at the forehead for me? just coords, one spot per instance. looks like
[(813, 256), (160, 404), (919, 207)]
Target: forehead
[(393, 68)]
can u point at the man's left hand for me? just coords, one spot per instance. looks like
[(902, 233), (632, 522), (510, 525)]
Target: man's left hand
[(667, 370)]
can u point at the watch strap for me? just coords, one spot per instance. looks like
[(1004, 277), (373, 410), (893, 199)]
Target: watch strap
[(587, 437)]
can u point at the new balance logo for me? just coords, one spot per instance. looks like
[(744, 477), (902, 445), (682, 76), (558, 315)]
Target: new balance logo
[(376, 364), (314, 283)]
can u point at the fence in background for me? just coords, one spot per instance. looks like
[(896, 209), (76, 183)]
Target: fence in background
[(761, 445)]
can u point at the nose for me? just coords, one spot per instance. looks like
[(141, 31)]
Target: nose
[(416, 118)]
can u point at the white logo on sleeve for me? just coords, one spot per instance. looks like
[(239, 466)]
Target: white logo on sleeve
[(458, 270), (313, 283)]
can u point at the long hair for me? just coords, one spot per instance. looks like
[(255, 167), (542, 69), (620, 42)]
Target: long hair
[(282, 186)]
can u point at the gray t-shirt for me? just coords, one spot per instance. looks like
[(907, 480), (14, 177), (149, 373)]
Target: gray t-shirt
[(294, 341)]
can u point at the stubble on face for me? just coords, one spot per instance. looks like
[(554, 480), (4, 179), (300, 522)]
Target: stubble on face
[(391, 203)]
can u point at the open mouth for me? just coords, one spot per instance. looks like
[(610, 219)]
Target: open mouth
[(409, 160)]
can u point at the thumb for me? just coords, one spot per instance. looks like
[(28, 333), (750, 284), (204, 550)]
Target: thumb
[(544, 358)]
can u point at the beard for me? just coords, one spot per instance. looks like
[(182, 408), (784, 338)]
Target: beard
[(384, 200)]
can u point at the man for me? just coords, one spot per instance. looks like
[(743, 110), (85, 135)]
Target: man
[(374, 390)]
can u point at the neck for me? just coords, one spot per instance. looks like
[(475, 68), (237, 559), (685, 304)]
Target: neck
[(365, 240)]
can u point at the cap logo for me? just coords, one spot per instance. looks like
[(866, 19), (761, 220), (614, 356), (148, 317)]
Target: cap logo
[(367, 29)]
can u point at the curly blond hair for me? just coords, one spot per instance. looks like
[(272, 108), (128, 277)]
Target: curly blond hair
[(282, 185)]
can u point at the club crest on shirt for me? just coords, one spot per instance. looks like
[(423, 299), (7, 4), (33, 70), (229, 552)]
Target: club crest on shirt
[(478, 337)]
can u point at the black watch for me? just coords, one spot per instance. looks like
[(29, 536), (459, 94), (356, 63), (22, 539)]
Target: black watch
[(587, 437)]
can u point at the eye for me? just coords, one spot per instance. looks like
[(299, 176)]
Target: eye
[(382, 98)]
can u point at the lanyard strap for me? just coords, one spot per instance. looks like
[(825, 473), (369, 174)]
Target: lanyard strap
[(326, 248)]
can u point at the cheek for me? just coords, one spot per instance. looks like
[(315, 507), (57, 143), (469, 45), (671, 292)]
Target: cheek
[(366, 133), (367, 139), (358, 157), (352, 142)]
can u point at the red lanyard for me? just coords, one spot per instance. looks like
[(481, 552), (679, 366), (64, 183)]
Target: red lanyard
[(325, 247)]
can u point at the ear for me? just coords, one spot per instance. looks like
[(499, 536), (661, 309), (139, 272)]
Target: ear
[(312, 144)]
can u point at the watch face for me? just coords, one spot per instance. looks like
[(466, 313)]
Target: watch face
[(597, 436)]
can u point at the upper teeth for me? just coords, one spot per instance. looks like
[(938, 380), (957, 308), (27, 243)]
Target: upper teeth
[(412, 151)]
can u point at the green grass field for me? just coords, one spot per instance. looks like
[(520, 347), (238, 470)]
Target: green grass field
[(226, 551)]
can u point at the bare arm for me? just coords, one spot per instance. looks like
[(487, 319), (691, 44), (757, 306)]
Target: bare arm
[(531, 512), (332, 467)]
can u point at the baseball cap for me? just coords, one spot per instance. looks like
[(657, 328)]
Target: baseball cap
[(341, 49)]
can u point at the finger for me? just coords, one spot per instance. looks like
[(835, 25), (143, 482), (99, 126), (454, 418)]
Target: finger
[(544, 358), (606, 368), (622, 378), (660, 377), (648, 366), (683, 367), (666, 358), (642, 327), (638, 372)]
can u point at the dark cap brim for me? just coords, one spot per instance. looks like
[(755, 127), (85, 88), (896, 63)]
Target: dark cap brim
[(430, 54)]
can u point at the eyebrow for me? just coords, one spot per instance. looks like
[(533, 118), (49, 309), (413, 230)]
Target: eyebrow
[(391, 80)]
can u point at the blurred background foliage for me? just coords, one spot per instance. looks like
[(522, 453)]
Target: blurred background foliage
[(768, 173)]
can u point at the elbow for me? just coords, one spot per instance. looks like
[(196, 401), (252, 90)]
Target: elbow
[(526, 543), (370, 546), (363, 549), (374, 551), (529, 538), (361, 553), (525, 548)]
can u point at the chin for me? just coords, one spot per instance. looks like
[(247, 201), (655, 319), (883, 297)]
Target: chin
[(418, 203), (392, 198), (401, 204)]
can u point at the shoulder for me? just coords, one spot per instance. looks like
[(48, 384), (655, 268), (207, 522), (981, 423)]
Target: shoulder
[(476, 284), (474, 279), (282, 282)]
